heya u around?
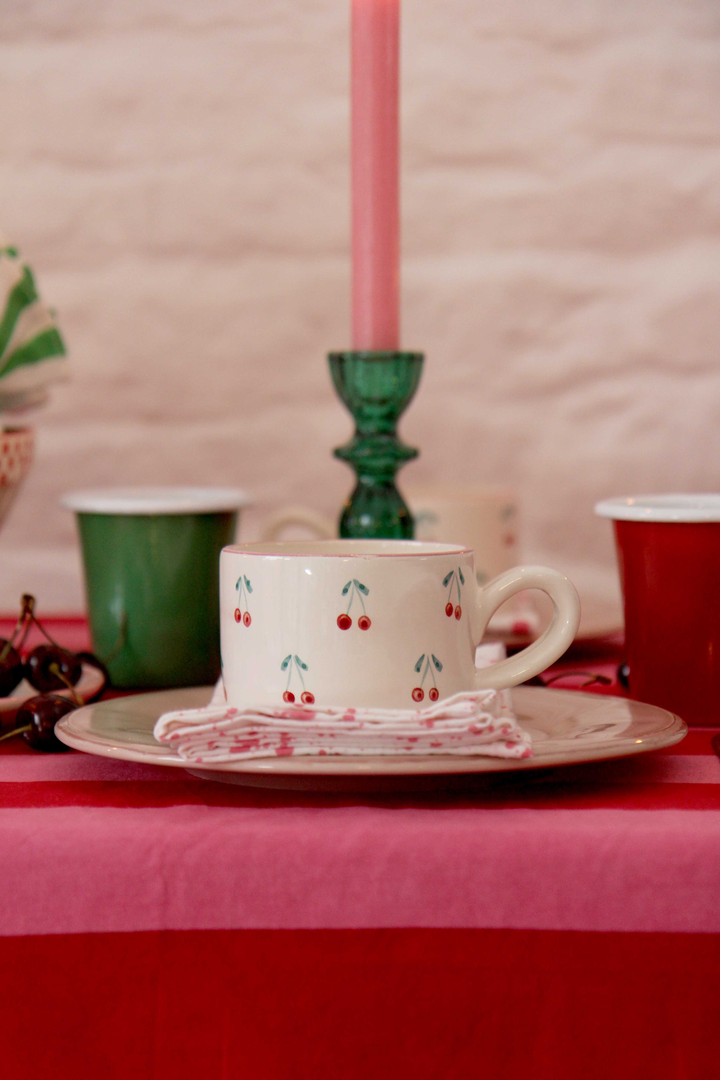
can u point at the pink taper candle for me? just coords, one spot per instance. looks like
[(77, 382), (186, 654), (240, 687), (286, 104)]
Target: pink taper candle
[(375, 175)]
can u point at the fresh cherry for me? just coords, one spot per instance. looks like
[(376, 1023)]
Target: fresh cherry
[(246, 619), (433, 693), (288, 697), (40, 714), (307, 698), (344, 622), (448, 609), (238, 614), (458, 612), (418, 693), (364, 623), (41, 662), (11, 668)]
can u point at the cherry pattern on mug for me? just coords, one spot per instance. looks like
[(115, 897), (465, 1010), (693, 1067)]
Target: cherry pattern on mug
[(244, 588), (451, 581), (430, 661), (293, 664), (355, 588)]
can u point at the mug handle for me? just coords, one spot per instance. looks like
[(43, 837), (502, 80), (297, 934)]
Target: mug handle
[(298, 515), (549, 646)]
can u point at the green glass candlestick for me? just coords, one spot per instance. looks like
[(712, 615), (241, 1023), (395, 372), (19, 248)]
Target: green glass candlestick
[(376, 387)]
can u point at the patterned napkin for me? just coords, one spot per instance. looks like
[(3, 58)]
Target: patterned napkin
[(471, 723), (31, 349)]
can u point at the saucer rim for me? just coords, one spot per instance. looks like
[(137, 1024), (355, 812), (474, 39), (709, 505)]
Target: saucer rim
[(667, 730)]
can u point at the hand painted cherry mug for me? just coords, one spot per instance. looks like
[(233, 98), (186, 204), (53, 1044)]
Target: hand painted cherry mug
[(371, 623)]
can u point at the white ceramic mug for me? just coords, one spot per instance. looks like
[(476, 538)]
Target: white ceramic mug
[(383, 623), (484, 519)]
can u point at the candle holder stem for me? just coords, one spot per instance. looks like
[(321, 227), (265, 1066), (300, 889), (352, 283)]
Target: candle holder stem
[(376, 386)]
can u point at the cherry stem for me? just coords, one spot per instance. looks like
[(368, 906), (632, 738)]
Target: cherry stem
[(56, 670), (43, 631), (15, 731), (27, 604)]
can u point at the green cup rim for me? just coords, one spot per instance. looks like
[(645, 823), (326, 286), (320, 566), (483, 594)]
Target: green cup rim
[(153, 500)]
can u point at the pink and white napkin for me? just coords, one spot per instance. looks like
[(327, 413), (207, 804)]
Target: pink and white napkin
[(470, 723)]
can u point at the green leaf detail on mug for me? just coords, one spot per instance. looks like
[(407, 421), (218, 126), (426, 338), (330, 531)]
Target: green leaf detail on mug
[(344, 620), (297, 666), (418, 692), (244, 588), (453, 580)]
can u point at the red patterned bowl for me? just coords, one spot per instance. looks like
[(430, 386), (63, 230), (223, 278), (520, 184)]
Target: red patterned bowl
[(16, 454)]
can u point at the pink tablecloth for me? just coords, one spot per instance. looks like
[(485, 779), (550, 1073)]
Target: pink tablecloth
[(598, 886), (632, 845)]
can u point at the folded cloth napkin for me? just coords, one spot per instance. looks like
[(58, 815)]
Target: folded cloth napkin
[(470, 723), (31, 349)]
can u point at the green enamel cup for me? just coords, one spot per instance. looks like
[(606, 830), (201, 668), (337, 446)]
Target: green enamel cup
[(151, 557)]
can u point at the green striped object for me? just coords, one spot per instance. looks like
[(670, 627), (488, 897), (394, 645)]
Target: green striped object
[(31, 349)]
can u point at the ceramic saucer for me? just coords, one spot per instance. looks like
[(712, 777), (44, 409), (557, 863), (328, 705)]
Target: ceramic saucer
[(599, 618), (566, 727)]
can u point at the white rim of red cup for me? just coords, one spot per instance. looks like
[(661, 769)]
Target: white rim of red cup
[(671, 508)]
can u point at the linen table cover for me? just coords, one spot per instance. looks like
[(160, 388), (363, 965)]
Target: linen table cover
[(562, 924)]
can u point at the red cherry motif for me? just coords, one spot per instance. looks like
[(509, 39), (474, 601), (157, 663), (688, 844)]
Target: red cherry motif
[(288, 697), (238, 614), (307, 698), (418, 693), (246, 619), (344, 622), (448, 609), (433, 693), (364, 623), (458, 612)]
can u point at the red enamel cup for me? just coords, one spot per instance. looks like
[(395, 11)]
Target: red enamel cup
[(668, 550)]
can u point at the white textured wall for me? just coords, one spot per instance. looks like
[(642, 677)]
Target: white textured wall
[(176, 173)]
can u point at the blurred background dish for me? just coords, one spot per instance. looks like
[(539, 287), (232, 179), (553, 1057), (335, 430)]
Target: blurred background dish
[(16, 455), (91, 682)]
